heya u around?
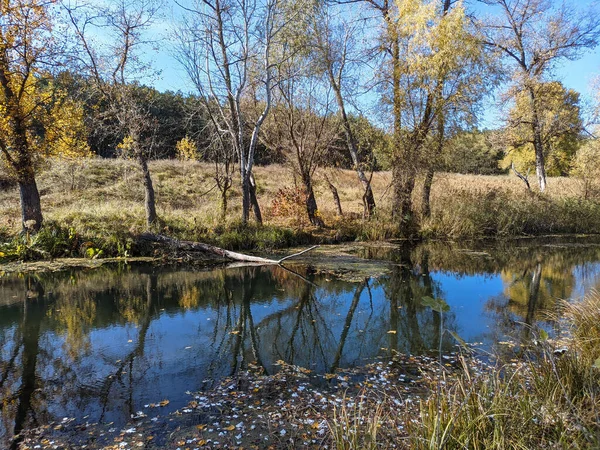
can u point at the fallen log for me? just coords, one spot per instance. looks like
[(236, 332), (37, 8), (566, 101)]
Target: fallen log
[(211, 249)]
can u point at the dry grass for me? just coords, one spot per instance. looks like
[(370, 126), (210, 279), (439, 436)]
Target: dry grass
[(100, 197), (548, 399)]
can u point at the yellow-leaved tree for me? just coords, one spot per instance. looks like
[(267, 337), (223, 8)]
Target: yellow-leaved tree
[(440, 70), (26, 47), (559, 124)]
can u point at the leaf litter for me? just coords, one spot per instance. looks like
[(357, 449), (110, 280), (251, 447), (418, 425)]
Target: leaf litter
[(294, 408)]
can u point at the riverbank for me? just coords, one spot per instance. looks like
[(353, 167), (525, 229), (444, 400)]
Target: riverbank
[(94, 209), (366, 407)]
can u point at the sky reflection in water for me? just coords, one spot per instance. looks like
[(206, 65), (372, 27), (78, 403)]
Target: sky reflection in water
[(105, 343)]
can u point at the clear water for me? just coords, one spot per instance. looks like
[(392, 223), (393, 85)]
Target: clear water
[(100, 344)]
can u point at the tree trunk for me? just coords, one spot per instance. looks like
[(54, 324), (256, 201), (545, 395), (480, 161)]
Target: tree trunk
[(311, 204), (150, 202), (540, 168), (224, 204), (336, 196), (352, 146), (254, 200), (538, 145), (31, 208), (426, 204), (441, 128), (245, 198), (403, 184)]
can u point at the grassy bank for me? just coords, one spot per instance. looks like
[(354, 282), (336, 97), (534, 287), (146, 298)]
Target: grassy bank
[(550, 398), (95, 208)]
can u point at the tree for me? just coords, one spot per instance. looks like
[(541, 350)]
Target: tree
[(439, 66), (29, 53), (586, 167), (226, 47), (113, 68), (533, 35), (471, 152), (302, 125), (335, 48), (559, 123)]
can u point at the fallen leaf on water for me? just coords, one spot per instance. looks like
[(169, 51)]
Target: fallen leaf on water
[(392, 332), (164, 403), (329, 376)]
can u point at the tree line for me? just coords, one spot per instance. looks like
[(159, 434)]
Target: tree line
[(281, 80)]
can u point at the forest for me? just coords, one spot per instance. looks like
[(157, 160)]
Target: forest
[(370, 120)]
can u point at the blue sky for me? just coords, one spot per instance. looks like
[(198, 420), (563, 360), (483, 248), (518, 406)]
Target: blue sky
[(576, 75)]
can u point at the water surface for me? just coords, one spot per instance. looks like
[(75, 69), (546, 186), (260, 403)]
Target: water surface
[(101, 344)]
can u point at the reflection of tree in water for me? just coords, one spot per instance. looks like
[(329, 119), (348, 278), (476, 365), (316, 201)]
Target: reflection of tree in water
[(414, 329), (258, 314), (22, 405), (533, 288), (538, 286), (74, 317)]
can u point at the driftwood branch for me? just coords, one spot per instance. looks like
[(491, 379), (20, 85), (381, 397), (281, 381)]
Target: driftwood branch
[(211, 249), (525, 177)]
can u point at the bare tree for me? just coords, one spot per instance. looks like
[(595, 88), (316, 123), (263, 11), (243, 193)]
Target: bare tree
[(302, 125), (336, 55), (113, 65), (225, 46), (533, 35)]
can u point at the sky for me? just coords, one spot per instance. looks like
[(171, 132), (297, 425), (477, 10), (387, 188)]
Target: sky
[(577, 75)]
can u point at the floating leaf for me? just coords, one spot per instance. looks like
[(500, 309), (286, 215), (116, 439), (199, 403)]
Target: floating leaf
[(164, 403), (392, 332), (460, 340), (437, 304)]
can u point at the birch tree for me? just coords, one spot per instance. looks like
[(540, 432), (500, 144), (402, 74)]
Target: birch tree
[(109, 42), (225, 46), (533, 35), (560, 124)]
